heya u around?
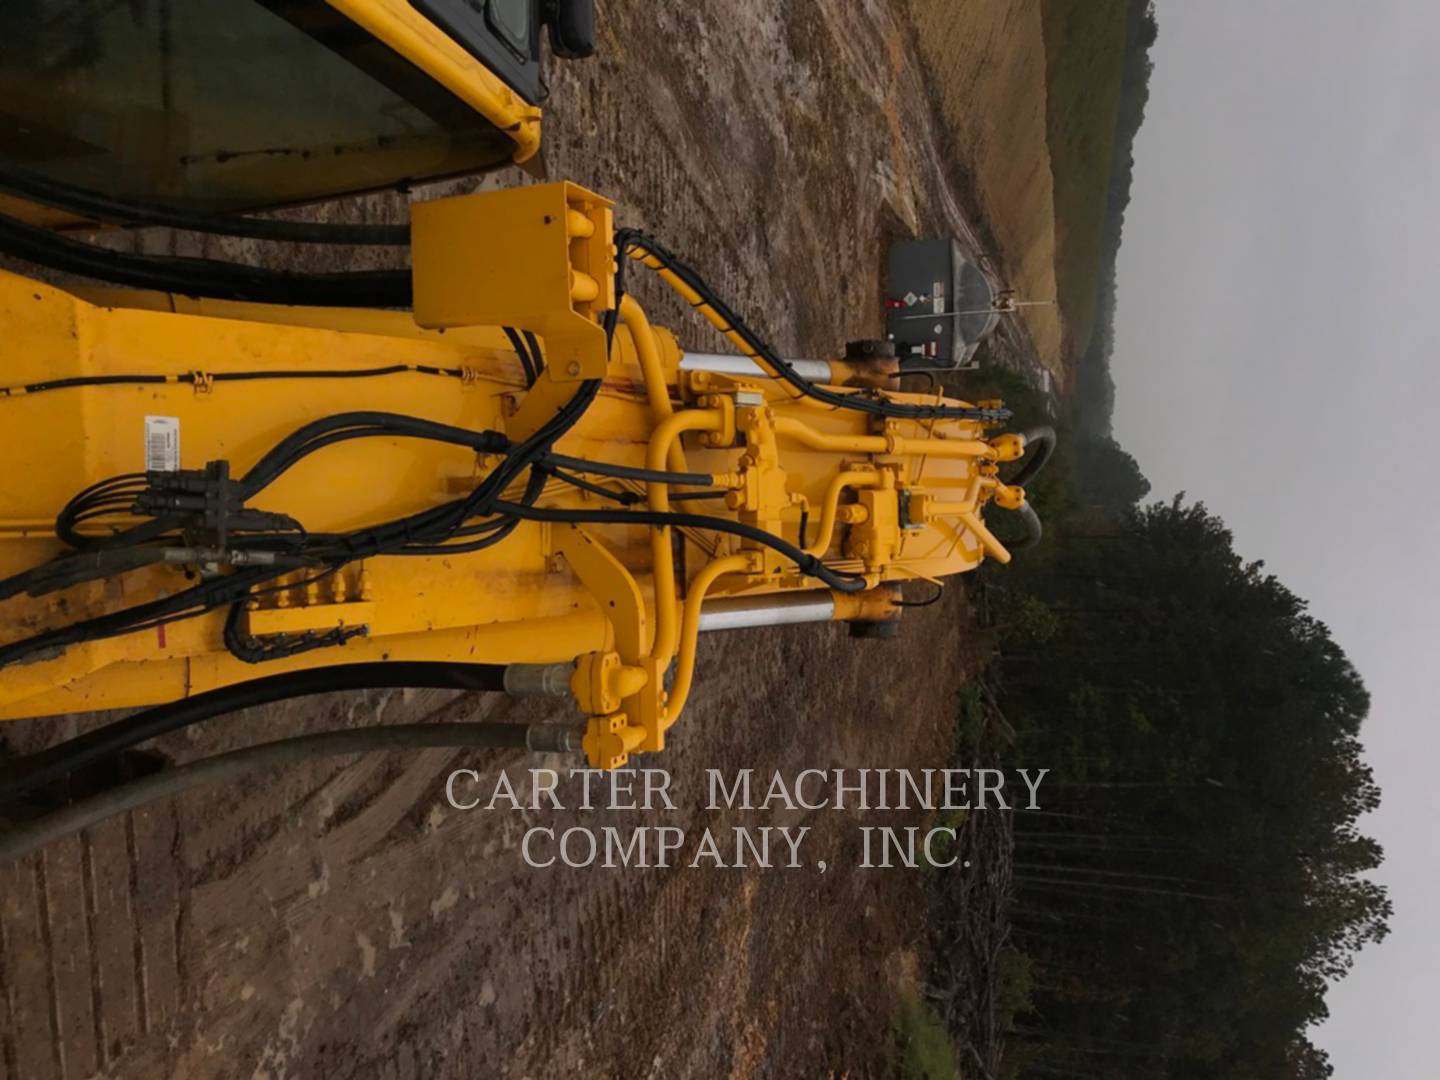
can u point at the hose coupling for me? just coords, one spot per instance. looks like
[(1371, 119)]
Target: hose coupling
[(538, 680), (553, 738)]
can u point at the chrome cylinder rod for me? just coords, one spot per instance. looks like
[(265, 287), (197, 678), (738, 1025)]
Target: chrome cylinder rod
[(816, 371), (746, 612)]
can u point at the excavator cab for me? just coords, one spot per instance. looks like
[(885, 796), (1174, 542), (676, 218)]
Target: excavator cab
[(238, 105)]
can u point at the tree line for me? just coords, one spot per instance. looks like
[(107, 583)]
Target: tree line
[(1197, 874), (1094, 387)]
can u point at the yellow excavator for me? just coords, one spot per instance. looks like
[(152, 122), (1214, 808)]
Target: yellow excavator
[(227, 485)]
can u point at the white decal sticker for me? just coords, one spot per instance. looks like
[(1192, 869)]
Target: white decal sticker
[(162, 443)]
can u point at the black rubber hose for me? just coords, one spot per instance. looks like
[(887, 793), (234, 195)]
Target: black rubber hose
[(809, 565), (701, 496), (1034, 530), (205, 277), (627, 472), (339, 427), (192, 600), (626, 239), (1044, 441), (17, 842), (97, 207), (518, 346), (536, 356), (67, 570), (624, 498), (44, 766)]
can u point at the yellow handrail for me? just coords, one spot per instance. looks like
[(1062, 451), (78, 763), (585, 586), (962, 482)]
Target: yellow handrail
[(420, 41)]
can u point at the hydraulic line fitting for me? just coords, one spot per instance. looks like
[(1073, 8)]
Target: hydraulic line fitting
[(601, 681), (1009, 497), (610, 740), (1008, 447)]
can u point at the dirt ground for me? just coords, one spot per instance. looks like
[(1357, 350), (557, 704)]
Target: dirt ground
[(342, 920)]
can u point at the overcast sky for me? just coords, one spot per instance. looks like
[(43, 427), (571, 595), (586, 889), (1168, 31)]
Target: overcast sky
[(1278, 339)]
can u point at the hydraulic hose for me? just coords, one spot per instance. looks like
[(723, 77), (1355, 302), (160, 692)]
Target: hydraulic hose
[(1043, 439), (839, 580), (40, 768), (96, 207), (631, 243), (1034, 530), (17, 842), (205, 277), (627, 472)]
